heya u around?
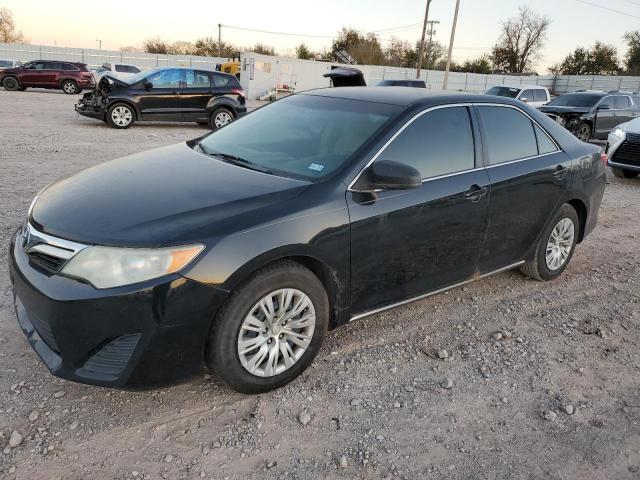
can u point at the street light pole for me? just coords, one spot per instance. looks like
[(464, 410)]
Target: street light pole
[(99, 44), (445, 84), (424, 32)]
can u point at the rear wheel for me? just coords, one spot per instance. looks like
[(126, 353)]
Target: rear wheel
[(556, 246), (221, 117), (270, 329), (622, 173), (11, 84), (583, 132), (120, 115), (70, 87)]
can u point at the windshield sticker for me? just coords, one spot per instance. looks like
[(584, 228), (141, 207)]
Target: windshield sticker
[(316, 167)]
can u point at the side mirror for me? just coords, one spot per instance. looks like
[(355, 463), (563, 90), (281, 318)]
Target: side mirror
[(147, 86), (524, 99), (390, 175)]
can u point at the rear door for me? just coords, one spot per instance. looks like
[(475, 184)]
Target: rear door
[(197, 91), (529, 175), (405, 243), (624, 109), (51, 74), (163, 100)]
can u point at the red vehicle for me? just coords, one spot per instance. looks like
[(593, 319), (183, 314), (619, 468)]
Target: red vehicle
[(69, 77)]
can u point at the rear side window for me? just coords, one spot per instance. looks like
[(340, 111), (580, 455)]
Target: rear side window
[(509, 134), (68, 67), (545, 144), (53, 66), (219, 81), (438, 143), (540, 95), (197, 79), (621, 102)]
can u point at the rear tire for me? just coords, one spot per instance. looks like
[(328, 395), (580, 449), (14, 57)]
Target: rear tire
[(120, 115), (11, 84), (622, 173), (221, 117), (556, 246), (248, 370), (70, 87)]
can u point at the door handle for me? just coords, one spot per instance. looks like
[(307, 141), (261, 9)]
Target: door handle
[(561, 172), (476, 193)]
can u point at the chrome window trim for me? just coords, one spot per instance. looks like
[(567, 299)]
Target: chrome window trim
[(452, 105), (435, 292)]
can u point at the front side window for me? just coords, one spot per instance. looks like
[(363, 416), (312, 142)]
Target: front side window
[(607, 103), (302, 136), (167, 78), (508, 133), (528, 95), (440, 142), (539, 95)]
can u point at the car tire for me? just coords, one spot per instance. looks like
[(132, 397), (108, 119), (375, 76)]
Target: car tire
[(70, 87), (11, 84), (249, 371), (120, 115), (556, 246), (622, 173), (583, 132), (221, 117), (22, 89)]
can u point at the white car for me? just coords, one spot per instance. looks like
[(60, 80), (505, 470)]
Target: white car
[(534, 95), (120, 71), (623, 149), (9, 64)]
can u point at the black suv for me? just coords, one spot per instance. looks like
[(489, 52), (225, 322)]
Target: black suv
[(166, 94), (592, 115)]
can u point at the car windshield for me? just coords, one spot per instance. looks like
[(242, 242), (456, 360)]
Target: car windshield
[(508, 92), (302, 136), (575, 100), (6, 63)]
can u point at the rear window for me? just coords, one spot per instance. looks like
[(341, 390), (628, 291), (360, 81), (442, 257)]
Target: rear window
[(509, 134)]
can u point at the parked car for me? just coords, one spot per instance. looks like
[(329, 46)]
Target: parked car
[(534, 95), (169, 94), (240, 249), (346, 77), (120, 71), (623, 149), (4, 64), (592, 115), (402, 83), (70, 77)]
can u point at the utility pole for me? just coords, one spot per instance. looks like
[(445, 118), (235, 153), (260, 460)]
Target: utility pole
[(432, 32), (220, 40), (445, 84), (424, 32), (99, 44)]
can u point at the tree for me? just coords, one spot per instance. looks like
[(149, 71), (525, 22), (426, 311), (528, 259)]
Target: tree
[(129, 48), (600, 59), (303, 52), (8, 32), (433, 52), (264, 49), (156, 45), (364, 49), (182, 48), (520, 42), (399, 53), (479, 65), (208, 47), (632, 59)]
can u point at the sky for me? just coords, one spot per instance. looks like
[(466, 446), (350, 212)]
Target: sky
[(573, 22)]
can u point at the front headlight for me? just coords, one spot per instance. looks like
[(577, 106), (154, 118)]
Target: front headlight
[(108, 267), (618, 132)]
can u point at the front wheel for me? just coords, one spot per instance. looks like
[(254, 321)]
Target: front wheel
[(69, 87), (221, 117), (120, 115), (270, 329), (556, 246), (583, 132), (622, 173), (11, 84)]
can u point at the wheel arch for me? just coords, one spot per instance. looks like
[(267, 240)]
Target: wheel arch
[(219, 102), (581, 209)]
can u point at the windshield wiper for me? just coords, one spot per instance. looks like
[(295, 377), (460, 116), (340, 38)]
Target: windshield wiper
[(234, 160)]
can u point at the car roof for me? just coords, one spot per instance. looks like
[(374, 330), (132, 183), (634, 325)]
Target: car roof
[(590, 94), (403, 96), (520, 87)]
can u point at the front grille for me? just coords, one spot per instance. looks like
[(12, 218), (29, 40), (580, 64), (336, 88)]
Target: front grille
[(48, 262), (629, 152), (110, 361)]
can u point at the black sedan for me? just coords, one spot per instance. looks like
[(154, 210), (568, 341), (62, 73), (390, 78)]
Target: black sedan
[(240, 250), (166, 94)]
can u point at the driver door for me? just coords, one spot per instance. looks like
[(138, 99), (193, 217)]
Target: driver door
[(605, 117), (405, 243), (163, 101)]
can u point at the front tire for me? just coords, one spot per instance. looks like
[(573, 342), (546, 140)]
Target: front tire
[(11, 84), (70, 87), (556, 246), (120, 115), (270, 329), (221, 117), (583, 132), (622, 173)]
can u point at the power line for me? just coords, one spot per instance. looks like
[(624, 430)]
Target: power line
[(385, 31), (607, 8)]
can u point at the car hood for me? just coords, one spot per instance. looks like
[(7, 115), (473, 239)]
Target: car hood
[(108, 83), (166, 196), (632, 126), (564, 110)]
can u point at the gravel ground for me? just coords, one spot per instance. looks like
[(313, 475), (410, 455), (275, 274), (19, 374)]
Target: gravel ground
[(505, 378)]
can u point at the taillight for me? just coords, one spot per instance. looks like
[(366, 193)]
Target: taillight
[(87, 74), (238, 91), (604, 158)]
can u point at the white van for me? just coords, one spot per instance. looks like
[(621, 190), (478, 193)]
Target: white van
[(533, 95)]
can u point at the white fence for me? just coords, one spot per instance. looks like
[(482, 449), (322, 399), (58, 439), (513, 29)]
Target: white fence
[(95, 57)]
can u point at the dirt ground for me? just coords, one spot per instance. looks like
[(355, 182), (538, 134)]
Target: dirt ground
[(542, 380)]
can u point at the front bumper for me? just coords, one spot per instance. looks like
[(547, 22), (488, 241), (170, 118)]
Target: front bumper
[(135, 335), (624, 152)]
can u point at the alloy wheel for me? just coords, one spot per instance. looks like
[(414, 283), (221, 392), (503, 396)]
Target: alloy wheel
[(560, 244), (276, 332), (69, 87), (222, 119), (10, 84), (121, 116), (584, 133)]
